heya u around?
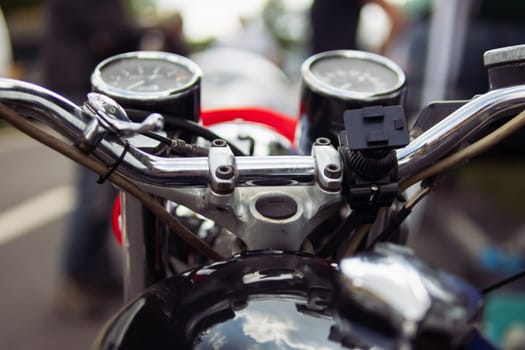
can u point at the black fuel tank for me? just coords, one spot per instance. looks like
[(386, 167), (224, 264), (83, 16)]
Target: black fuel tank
[(263, 300)]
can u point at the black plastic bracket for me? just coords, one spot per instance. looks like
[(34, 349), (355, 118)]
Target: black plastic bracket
[(367, 148), (376, 127)]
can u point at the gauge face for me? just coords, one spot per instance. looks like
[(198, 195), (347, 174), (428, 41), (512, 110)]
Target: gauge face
[(145, 75), (151, 75), (352, 74), (355, 75)]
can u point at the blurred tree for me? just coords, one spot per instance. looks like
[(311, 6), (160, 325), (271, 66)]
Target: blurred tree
[(141, 8), (288, 25), (10, 5)]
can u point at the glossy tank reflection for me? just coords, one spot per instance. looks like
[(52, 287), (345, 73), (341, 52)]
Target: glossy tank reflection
[(263, 300), (386, 298)]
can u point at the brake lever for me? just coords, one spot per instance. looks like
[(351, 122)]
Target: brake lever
[(115, 119)]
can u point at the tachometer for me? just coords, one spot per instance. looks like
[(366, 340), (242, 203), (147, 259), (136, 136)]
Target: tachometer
[(353, 75), (335, 81)]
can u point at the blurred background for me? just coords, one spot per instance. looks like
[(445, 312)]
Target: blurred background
[(473, 225)]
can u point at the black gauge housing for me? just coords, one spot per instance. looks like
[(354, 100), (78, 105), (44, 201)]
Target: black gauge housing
[(336, 81), (151, 80)]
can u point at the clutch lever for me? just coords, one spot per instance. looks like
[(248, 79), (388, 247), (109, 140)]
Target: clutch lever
[(115, 119)]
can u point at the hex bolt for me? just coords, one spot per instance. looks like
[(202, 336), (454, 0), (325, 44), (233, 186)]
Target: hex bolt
[(218, 143), (332, 171), (322, 141), (224, 172)]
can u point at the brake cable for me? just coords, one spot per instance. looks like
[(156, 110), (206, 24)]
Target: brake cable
[(118, 180), (179, 146), (468, 152), (397, 219), (188, 126), (443, 165), (503, 282)]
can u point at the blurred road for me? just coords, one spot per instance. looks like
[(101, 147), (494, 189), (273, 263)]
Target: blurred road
[(37, 196)]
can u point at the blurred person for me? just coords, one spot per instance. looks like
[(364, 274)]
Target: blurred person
[(487, 247), (251, 36), (166, 35), (5, 48), (335, 23), (81, 33), (492, 24), (489, 24)]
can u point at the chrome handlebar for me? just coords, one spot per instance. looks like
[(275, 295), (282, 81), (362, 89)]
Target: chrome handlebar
[(33, 101), (199, 184), (206, 184), (73, 122), (446, 135)]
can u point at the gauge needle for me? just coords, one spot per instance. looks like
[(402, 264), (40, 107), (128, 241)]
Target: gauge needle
[(137, 84), (153, 75)]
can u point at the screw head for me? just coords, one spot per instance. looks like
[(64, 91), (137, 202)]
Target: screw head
[(322, 141), (218, 143), (332, 171), (224, 172)]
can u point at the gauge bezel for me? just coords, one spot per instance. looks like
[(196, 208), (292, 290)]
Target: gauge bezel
[(100, 85), (324, 88)]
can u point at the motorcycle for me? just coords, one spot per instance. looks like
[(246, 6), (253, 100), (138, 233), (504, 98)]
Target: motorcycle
[(287, 251)]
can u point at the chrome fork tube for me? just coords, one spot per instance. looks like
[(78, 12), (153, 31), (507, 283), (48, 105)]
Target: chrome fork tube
[(134, 249)]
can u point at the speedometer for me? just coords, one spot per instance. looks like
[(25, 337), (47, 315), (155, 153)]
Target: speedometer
[(153, 78), (162, 81), (335, 81)]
